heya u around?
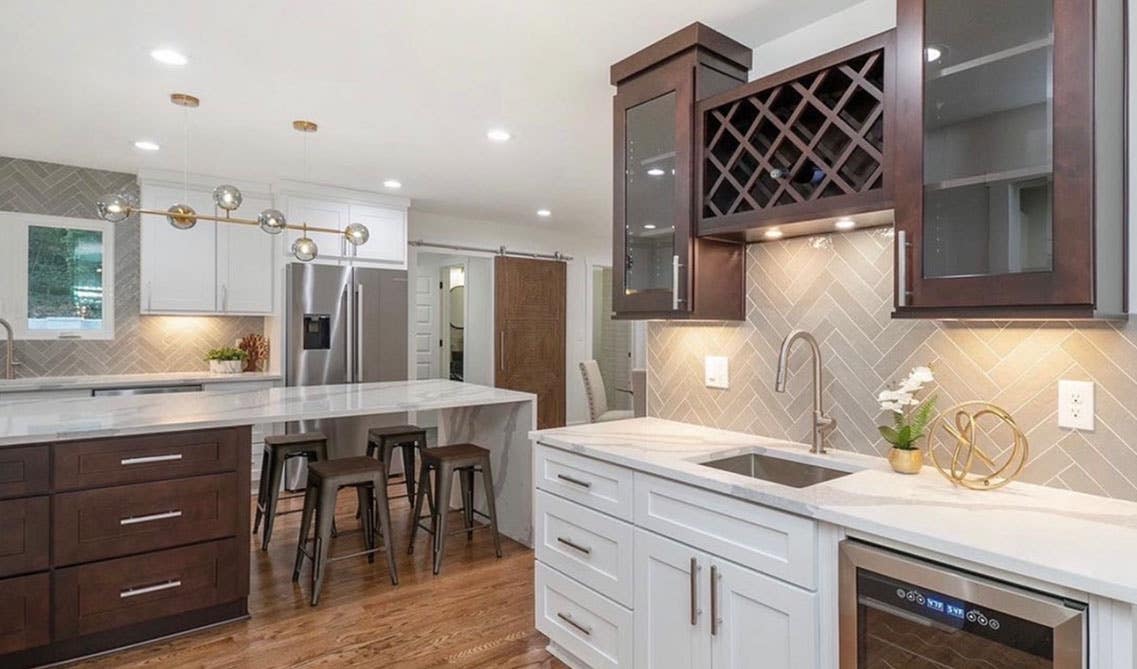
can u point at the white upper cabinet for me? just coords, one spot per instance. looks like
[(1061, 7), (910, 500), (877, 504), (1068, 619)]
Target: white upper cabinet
[(212, 268), (177, 266), (245, 260), (388, 241), (336, 208)]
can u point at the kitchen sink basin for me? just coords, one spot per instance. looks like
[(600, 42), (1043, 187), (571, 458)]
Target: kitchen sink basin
[(776, 470)]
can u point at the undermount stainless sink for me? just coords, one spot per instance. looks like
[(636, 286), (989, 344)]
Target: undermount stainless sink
[(786, 472)]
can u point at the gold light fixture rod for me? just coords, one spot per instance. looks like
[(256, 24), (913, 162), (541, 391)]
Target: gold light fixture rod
[(184, 100), (305, 126), (227, 219)]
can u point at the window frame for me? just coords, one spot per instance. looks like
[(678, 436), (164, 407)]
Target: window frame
[(14, 275)]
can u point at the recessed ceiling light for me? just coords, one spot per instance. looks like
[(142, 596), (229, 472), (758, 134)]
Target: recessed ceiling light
[(932, 54), (656, 172), (649, 226), (773, 233), (392, 183), (168, 57), (544, 213), (146, 145), (498, 135), (845, 224)]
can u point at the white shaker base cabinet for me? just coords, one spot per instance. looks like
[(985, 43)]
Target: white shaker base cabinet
[(692, 606), (695, 610)]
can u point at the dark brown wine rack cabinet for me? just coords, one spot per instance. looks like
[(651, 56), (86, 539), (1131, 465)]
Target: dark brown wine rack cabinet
[(806, 144)]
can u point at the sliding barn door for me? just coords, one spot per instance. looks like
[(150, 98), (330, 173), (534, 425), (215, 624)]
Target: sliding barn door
[(529, 326)]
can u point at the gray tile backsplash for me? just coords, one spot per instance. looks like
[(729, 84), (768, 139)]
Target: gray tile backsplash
[(141, 343)]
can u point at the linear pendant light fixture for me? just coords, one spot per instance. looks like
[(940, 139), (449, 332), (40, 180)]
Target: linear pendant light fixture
[(119, 206)]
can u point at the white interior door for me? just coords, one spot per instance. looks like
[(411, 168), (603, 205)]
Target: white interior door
[(426, 351)]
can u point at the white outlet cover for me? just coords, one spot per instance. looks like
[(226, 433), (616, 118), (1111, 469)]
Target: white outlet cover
[(1076, 404), (716, 372)]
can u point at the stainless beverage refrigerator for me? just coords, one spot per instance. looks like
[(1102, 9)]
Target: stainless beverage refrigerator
[(343, 324)]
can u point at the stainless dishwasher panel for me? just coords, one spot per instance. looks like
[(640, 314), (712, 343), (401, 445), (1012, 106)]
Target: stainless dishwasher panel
[(145, 390)]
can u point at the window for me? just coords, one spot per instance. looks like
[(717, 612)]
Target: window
[(59, 277)]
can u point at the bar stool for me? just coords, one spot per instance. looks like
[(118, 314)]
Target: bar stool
[(325, 479), (465, 460), (279, 448), (382, 442)]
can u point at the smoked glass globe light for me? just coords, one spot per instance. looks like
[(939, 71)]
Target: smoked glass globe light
[(272, 221), (304, 249), (357, 233), (227, 197), (185, 217), (113, 208)]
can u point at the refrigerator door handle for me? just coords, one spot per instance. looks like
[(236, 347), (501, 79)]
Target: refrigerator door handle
[(349, 335), (359, 332)]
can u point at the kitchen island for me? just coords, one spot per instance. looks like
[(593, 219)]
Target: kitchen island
[(126, 519)]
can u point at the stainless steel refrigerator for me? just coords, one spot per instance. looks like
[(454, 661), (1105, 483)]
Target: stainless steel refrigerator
[(342, 325)]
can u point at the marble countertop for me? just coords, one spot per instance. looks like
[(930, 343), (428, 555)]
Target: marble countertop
[(1078, 541), (85, 417), (127, 380)]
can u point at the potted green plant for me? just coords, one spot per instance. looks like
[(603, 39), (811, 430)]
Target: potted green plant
[(910, 417), (226, 360)]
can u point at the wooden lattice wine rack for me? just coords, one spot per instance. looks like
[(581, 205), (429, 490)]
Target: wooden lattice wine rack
[(807, 143)]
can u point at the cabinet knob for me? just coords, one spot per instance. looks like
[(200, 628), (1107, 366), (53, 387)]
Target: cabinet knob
[(777, 173)]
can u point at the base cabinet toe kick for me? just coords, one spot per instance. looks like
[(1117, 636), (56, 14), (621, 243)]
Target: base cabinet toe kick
[(638, 570), (107, 543)]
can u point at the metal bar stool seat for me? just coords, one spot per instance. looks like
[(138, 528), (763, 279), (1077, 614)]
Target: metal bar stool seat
[(466, 460), (325, 479), (382, 442), (279, 448)]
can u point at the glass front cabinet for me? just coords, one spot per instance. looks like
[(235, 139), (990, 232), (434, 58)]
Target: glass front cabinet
[(1010, 168), (660, 269)]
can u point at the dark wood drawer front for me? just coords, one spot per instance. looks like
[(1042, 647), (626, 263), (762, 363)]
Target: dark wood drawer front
[(25, 525), (115, 593), (112, 522), (89, 464), (24, 618), (24, 471)]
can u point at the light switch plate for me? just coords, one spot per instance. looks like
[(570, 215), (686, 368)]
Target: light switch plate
[(716, 372), (1076, 404)]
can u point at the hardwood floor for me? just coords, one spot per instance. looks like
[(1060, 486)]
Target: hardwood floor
[(477, 613)]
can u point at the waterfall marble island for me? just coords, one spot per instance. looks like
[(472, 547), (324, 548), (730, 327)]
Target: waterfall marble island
[(78, 477)]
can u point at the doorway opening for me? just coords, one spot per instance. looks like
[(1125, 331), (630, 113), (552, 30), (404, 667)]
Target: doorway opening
[(453, 322)]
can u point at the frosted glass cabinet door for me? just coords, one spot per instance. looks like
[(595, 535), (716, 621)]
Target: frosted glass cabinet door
[(178, 267)]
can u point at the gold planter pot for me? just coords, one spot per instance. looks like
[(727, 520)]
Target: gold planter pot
[(906, 462)]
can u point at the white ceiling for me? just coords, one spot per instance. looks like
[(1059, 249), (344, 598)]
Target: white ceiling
[(403, 89)]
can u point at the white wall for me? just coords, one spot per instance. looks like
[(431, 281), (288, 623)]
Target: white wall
[(584, 247)]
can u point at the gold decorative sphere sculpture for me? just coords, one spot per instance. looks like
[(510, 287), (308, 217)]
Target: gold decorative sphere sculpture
[(966, 463)]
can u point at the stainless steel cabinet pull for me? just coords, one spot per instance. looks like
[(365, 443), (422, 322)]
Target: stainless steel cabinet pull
[(694, 592), (568, 619), (165, 515), (901, 268), (714, 601), (675, 300), (358, 331), (501, 339), (569, 479), (224, 297), (134, 592), (572, 544), (149, 296), (147, 459)]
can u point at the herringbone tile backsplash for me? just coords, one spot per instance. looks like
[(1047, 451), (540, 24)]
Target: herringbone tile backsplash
[(141, 343), (840, 288)]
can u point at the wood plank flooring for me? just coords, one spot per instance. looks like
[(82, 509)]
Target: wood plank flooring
[(477, 613)]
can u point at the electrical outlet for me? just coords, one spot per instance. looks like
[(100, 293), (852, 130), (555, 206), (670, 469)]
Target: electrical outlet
[(1076, 404), (716, 372)]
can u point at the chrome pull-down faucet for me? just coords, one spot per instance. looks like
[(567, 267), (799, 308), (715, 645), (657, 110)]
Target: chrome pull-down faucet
[(10, 350), (821, 423)]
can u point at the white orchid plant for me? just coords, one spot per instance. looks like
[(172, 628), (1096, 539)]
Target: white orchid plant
[(910, 416)]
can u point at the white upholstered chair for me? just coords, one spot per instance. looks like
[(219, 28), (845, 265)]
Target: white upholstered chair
[(598, 399)]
